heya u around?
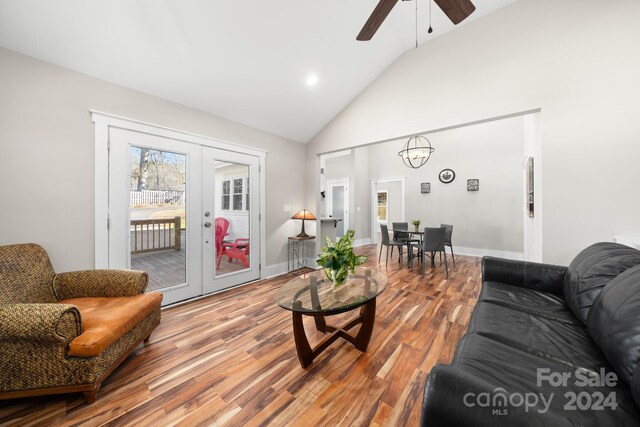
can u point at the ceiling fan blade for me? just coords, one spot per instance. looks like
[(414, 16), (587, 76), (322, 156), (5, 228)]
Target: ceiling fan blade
[(376, 19), (456, 10)]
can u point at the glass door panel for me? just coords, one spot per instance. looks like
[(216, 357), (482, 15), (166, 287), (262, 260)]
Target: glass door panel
[(231, 247), (154, 198), (158, 216)]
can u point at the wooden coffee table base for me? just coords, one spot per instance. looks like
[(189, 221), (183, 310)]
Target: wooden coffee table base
[(361, 340)]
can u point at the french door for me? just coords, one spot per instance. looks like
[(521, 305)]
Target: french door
[(185, 213)]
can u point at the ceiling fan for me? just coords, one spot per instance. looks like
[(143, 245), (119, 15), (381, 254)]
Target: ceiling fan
[(456, 10)]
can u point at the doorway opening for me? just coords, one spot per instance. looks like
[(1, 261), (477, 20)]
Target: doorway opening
[(387, 203), (338, 205)]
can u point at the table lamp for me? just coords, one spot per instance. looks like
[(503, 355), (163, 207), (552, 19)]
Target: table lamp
[(303, 215)]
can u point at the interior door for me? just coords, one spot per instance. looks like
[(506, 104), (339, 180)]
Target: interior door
[(231, 217), (155, 202)]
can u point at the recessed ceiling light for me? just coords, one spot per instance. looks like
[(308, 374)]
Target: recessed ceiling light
[(312, 79)]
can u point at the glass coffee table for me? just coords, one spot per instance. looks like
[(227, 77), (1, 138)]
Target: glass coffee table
[(312, 294)]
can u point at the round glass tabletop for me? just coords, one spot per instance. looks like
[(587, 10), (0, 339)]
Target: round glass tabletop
[(315, 293)]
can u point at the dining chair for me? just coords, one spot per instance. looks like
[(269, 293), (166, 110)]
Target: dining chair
[(400, 236), (432, 242), (388, 243), (447, 240)]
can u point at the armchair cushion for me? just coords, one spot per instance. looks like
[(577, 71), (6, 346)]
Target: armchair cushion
[(99, 284), (106, 320), (44, 323)]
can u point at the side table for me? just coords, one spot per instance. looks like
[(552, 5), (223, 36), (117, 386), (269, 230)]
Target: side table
[(294, 250)]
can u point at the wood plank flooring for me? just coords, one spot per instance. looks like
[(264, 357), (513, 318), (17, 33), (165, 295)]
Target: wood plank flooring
[(230, 360)]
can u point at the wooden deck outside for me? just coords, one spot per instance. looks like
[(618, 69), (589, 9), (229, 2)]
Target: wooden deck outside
[(168, 268), (230, 360)]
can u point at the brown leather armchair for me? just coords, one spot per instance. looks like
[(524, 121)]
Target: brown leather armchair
[(63, 333)]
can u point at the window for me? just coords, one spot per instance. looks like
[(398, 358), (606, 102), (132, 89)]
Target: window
[(383, 205), (235, 194), (246, 203), (226, 191)]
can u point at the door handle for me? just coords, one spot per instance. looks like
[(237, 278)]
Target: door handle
[(207, 224)]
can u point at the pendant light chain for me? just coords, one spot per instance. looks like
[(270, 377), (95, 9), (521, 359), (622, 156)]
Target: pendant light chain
[(416, 23)]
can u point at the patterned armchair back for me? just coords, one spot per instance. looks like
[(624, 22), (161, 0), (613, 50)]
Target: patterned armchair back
[(26, 275)]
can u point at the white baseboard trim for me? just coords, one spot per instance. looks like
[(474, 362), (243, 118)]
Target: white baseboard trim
[(362, 242), (275, 270), (279, 269), (486, 252)]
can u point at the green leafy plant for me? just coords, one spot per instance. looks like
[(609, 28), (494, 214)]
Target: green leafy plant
[(338, 259), (416, 223)]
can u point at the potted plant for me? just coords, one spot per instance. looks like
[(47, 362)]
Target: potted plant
[(338, 259), (416, 224)]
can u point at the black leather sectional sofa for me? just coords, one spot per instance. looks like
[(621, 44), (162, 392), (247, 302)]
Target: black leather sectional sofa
[(547, 346)]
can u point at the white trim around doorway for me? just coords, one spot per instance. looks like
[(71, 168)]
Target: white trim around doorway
[(103, 122), (374, 222)]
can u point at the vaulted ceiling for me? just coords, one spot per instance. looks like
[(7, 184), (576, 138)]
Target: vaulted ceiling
[(246, 60)]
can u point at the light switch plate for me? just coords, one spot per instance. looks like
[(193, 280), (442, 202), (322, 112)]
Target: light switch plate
[(287, 208)]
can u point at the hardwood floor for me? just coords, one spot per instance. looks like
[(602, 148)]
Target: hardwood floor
[(230, 359)]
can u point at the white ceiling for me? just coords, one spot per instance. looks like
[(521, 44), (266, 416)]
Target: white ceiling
[(246, 60)]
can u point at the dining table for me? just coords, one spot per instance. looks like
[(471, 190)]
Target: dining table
[(420, 234)]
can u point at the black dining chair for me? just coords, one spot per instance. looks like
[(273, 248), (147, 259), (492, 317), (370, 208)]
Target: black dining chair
[(447, 240), (399, 234), (388, 243), (433, 241)]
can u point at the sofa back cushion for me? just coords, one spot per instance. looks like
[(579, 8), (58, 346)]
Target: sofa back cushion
[(614, 323), (26, 275), (591, 270)]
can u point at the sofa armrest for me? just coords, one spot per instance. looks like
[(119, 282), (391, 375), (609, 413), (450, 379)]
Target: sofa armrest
[(541, 277), (43, 323), (99, 283)]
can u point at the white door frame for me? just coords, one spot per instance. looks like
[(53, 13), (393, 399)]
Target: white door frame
[(331, 184), (374, 202), (103, 122)]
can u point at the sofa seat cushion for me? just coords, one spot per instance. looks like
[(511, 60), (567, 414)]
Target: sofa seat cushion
[(567, 343), (105, 320), (528, 300), (494, 366)]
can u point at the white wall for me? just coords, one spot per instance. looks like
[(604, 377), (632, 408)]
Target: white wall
[(576, 60), (47, 157)]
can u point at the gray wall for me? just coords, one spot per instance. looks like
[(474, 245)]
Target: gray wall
[(584, 79), (489, 219), (47, 157)]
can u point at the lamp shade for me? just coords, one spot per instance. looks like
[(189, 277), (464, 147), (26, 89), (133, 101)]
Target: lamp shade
[(304, 214)]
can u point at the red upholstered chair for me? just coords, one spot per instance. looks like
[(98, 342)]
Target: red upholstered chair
[(238, 249)]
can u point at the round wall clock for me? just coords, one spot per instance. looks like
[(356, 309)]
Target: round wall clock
[(447, 176)]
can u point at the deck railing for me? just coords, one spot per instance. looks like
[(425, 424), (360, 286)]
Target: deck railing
[(156, 198), (150, 235)]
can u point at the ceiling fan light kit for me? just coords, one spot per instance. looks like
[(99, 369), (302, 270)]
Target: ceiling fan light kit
[(456, 10)]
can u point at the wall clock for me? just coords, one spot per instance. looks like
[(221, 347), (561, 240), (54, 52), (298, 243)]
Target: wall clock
[(446, 176)]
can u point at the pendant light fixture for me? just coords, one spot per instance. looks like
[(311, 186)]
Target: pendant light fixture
[(416, 151)]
